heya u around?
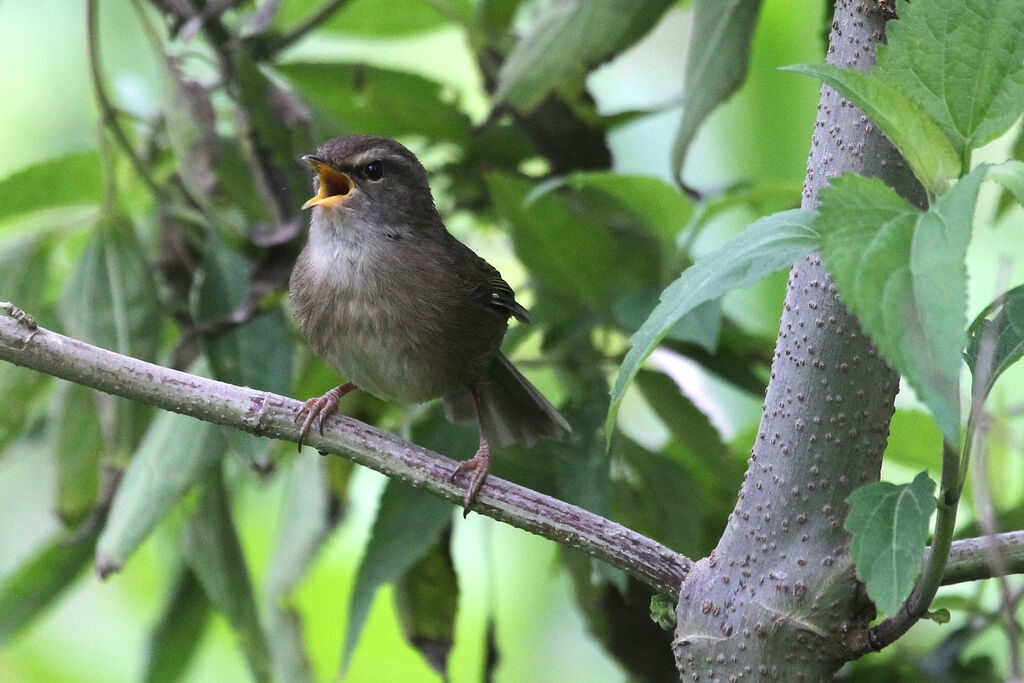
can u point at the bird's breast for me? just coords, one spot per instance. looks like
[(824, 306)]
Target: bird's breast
[(378, 322)]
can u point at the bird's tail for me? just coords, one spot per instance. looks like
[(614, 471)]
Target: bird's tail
[(514, 411)]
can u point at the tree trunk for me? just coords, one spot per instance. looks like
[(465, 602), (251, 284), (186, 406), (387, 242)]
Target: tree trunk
[(778, 597)]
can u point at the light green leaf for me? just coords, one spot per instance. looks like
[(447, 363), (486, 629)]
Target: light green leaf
[(110, 298), (372, 19), (172, 457), (41, 580), (962, 61), (176, 636), (922, 143), (902, 272), (1009, 174), (76, 439), (769, 244), (71, 180), (566, 39), (213, 551), (889, 525), (408, 523), (303, 526), (716, 63), (369, 99), (997, 341)]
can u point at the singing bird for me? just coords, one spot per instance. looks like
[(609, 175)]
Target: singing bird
[(390, 300)]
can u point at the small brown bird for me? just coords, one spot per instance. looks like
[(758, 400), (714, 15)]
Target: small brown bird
[(388, 298)]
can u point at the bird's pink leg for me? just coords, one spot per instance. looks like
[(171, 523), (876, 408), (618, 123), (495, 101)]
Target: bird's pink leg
[(479, 463), (321, 407)]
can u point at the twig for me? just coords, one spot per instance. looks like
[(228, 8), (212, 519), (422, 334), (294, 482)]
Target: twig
[(108, 112), (969, 559), (296, 33), (273, 416)]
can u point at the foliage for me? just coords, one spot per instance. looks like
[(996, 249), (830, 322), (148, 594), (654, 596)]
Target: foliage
[(170, 237)]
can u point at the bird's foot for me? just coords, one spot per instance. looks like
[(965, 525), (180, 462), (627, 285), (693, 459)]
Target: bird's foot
[(320, 407), (478, 465)]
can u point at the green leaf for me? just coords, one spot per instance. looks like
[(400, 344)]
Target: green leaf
[(565, 40), (41, 580), (1009, 174), (546, 229), (902, 272), (71, 180), (24, 271), (172, 457), (257, 353), (176, 636), (962, 61), (996, 342), (369, 18), (369, 99), (769, 244), (922, 143), (110, 298), (408, 523), (663, 611), (76, 439), (427, 597), (213, 551), (939, 616), (659, 208), (303, 526), (889, 524), (716, 63)]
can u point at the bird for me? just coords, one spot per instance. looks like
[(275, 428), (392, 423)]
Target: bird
[(394, 303)]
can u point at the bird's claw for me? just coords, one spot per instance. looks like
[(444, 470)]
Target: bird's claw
[(320, 407), (479, 465)]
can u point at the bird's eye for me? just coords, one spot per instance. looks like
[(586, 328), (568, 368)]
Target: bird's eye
[(374, 170)]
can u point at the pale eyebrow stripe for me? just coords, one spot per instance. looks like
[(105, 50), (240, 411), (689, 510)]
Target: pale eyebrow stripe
[(376, 154)]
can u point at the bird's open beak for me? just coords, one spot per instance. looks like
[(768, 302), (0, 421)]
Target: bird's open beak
[(335, 186)]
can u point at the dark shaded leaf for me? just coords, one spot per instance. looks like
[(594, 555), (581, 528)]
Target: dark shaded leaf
[(256, 353), (546, 229), (213, 551), (427, 597), (369, 99), (176, 636), (408, 523), (997, 341)]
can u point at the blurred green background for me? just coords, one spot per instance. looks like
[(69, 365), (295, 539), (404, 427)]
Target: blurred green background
[(100, 630)]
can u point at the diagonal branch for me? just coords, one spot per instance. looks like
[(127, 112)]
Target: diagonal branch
[(265, 414)]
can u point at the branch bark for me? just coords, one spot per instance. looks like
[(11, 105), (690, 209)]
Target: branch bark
[(265, 414), (780, 588)]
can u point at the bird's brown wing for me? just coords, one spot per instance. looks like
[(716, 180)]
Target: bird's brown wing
[(489, 288)]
